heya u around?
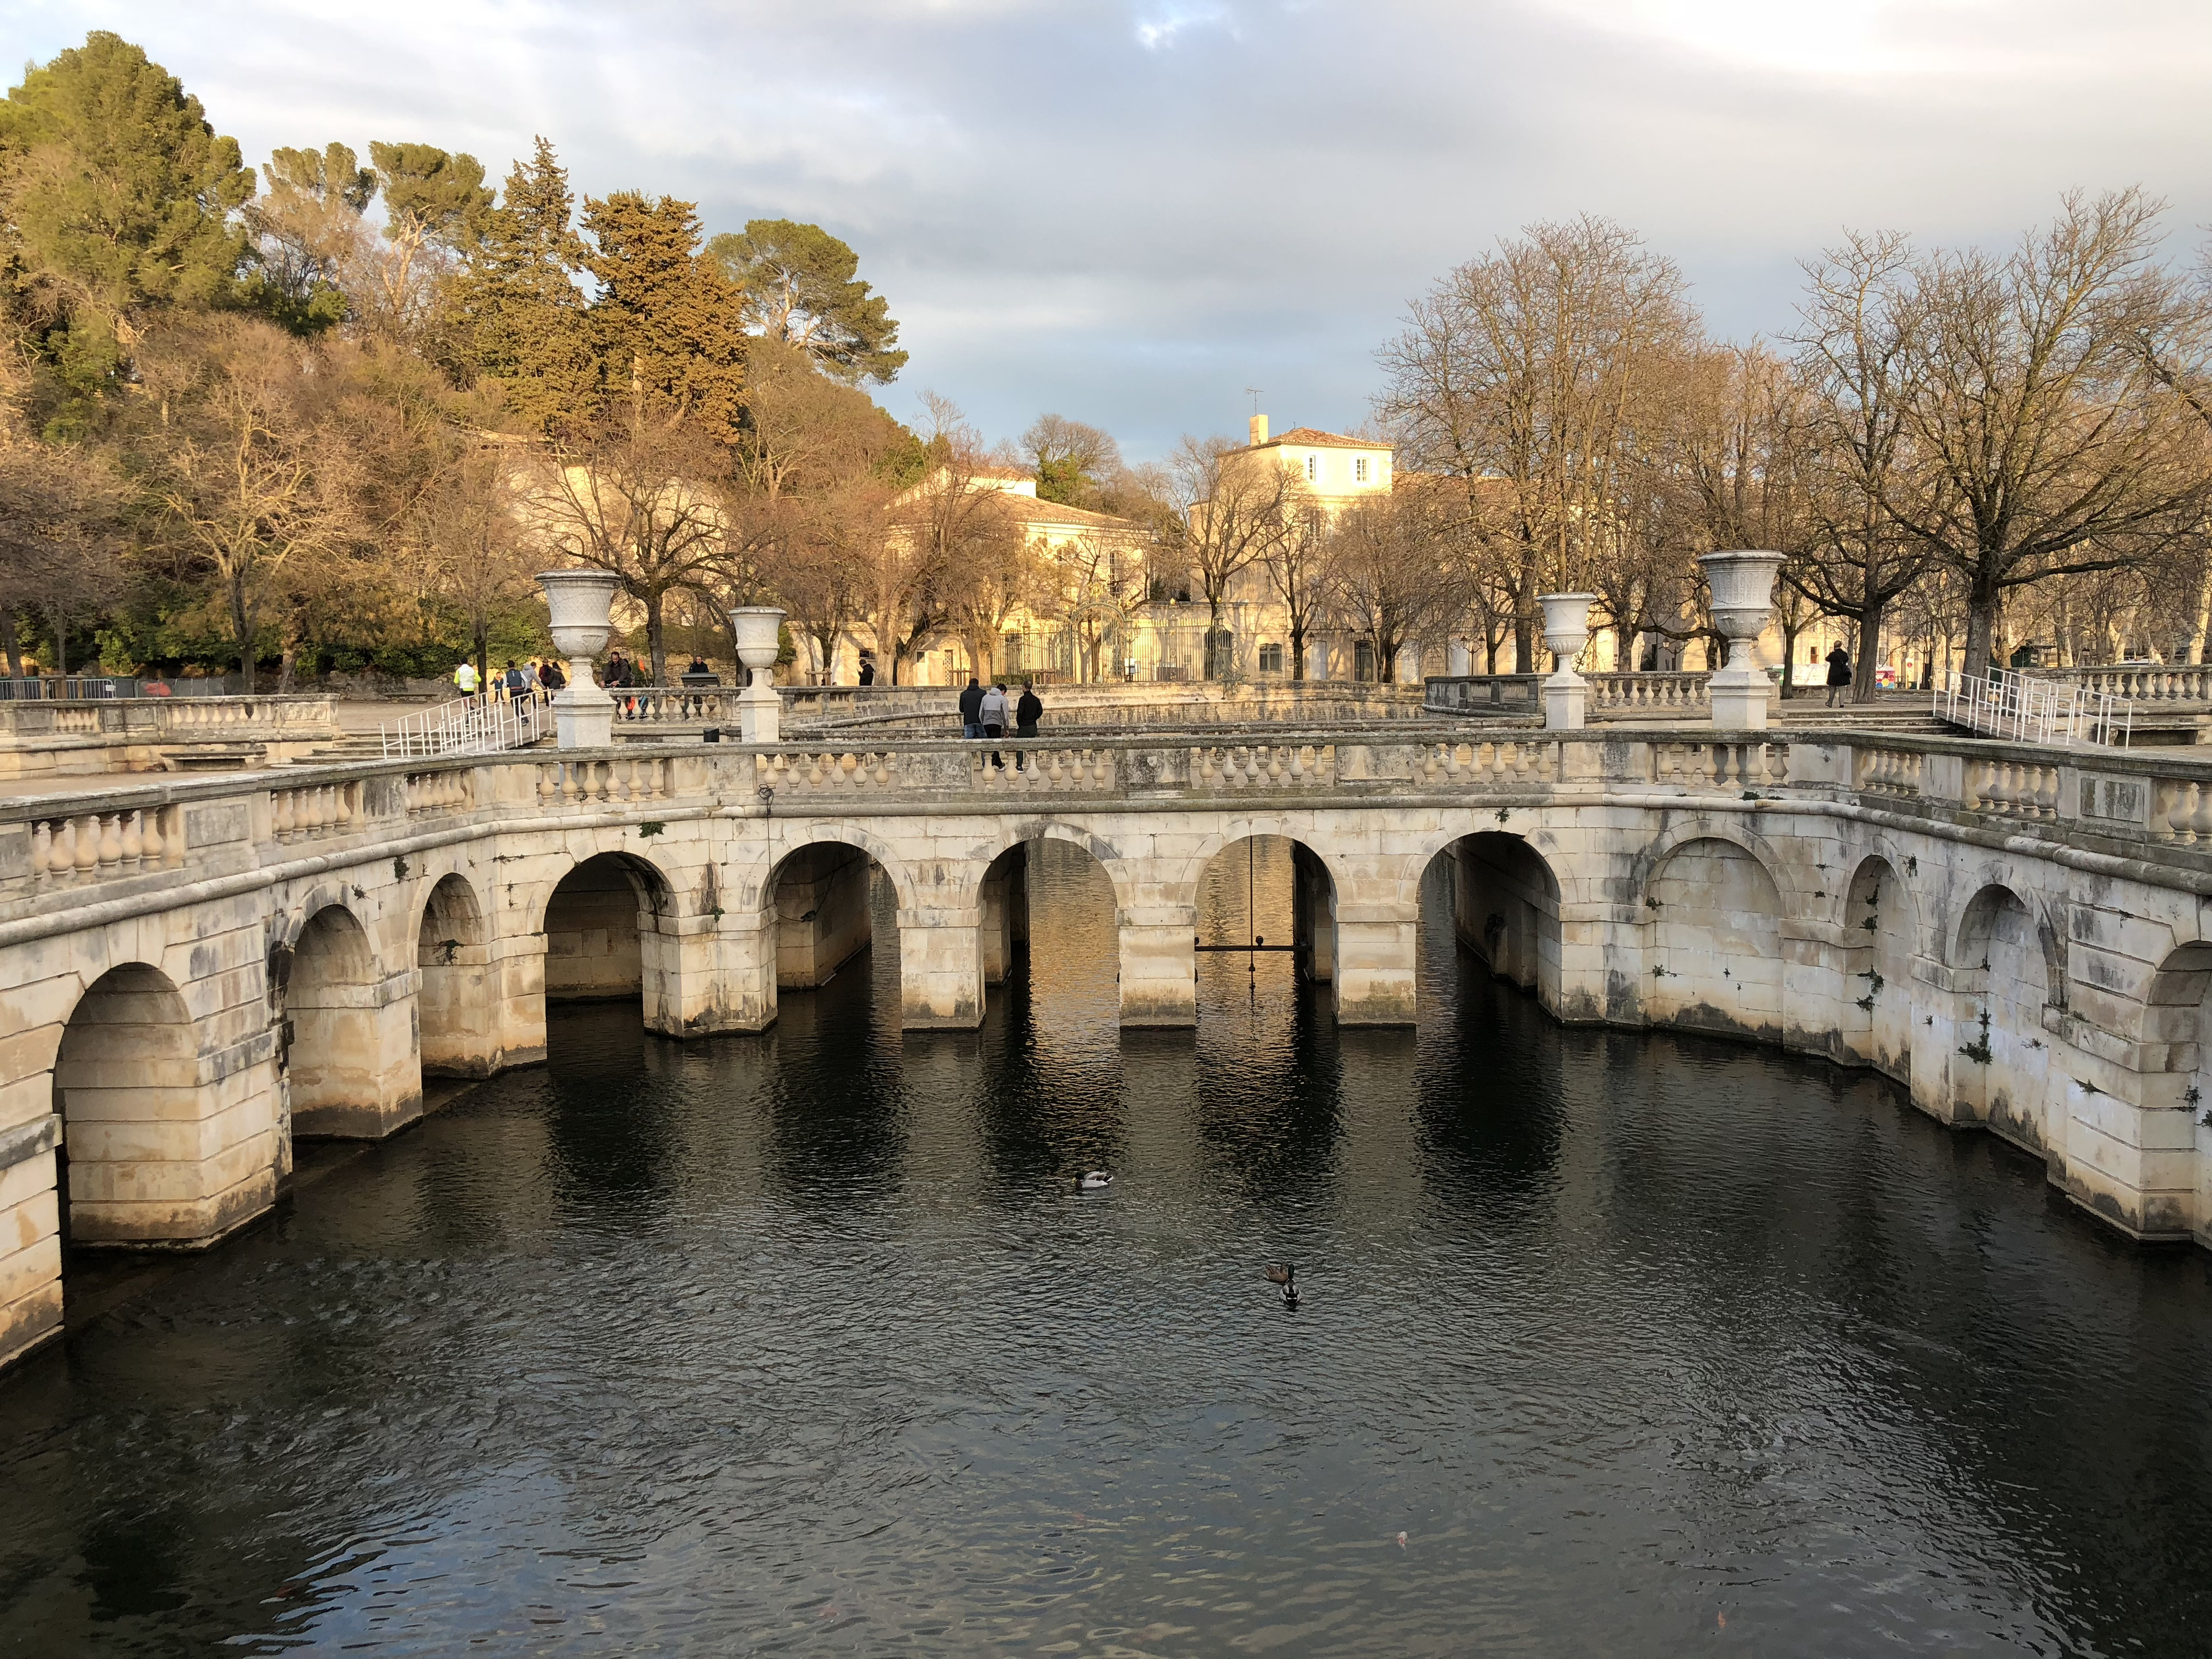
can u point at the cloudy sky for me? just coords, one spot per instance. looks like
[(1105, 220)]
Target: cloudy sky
[(1129, 211)]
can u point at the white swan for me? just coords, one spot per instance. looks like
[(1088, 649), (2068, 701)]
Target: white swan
[(1096, 1181)]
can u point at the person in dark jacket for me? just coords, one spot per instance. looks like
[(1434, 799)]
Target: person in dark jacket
[(971, 709), (1027, 713), (1839, 674), (867, 671)]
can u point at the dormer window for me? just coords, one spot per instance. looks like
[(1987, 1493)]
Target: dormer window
[(1359, 469), (1313, 468)]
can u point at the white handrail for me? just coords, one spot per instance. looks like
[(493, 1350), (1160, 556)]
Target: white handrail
[(2005, 703), (480, 725)]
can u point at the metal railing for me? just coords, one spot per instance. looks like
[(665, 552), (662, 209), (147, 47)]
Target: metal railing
[(480, 724), (2025, 708)]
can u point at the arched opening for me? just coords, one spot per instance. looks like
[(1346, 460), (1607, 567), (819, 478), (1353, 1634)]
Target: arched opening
[(2005, 1070), (2175, 1020), (1267, 932), (126, 1088), (823, 898), (1049, 943), (1502, 901), (602, 941), (1715, 961), (348, 1046), (1874, 1022), (455, 1008)]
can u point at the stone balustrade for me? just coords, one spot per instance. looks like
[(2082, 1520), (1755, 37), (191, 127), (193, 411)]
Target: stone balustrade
[(139, 734), (2183, 683), (2161, 800), (1647, 694), (1611, 696)]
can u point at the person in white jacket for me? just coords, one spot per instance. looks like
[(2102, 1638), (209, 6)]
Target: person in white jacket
[(464, 676)]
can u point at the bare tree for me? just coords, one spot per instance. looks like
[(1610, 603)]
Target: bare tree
[(2047, 443), (1392, 569), (1520, 375), (1095, 584), (638, 494), (1236, 508), (246, 480)]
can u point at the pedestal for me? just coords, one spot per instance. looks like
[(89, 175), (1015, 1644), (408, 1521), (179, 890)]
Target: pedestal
[(583, 714), (1739, 705), (1566, 699), (760, 713)]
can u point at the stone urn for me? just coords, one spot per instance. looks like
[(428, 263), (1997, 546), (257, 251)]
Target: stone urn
[(579, 602), (757, 629), (1566, 627), (1742, 584)]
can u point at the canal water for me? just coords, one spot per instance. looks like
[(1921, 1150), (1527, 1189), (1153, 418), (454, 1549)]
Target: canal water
[(807, 1343)]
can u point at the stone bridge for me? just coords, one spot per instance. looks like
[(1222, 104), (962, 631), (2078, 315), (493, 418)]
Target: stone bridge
[(193, 972)]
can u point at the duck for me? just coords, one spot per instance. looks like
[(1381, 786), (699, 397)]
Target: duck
[(1285, 1275), (1094, 1181)]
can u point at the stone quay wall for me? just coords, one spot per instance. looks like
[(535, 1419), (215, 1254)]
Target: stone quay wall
[(195, 972)]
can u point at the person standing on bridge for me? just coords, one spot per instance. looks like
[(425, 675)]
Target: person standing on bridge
[(994, 712), (1839, 673), (465, 678), (1027, 713), (971, 709)]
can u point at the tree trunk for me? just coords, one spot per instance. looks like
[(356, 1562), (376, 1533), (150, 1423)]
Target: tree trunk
[(1298, 654), (61, 644), (482, 631), (242, 630), (1524, 645), (8, 643), (1790, 630), (1982, 616), (1870, 651), (656, 636)]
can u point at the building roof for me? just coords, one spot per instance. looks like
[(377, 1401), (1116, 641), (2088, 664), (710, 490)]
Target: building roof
[(1039, 511), (1314, 438)]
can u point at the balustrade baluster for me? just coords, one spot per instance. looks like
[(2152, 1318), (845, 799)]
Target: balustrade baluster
[(133, 846), (84, 844), (2200, 815)]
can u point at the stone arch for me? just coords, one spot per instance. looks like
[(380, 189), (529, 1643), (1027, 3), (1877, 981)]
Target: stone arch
[(1713, 918), (129, 1161), (1304, 891), (1002, 893), (602, 925), (2177, 1054), (2001, 969), (749, 884), (1880, 928), (818, 911), (1185, 884), (349, 1030), (1646, 865), (456, 1011), (1504, 908), (1999, 892), (1108, 857)]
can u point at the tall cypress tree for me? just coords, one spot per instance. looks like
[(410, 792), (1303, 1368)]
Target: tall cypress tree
[(669, 322), (523, 316)]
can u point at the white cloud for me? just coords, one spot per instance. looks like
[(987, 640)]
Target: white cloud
[(1129, 212)]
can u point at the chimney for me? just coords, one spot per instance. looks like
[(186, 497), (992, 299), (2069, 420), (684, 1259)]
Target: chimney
[(1258, 430)]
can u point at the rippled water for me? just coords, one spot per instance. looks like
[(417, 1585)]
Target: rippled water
[(1610, 1345)]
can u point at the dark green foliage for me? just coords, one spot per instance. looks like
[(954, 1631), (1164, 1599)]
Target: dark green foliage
[(667, 321), (801, 286), (521, 312), (118, 196)]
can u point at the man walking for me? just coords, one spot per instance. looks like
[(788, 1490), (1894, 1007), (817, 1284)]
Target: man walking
[(971, 709), (1027, 713), (1839, 674), (992, 710)]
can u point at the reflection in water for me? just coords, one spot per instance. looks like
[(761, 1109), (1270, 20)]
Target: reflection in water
[(804, 1342)]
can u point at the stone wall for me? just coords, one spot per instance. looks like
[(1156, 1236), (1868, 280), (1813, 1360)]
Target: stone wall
[(190, 974)]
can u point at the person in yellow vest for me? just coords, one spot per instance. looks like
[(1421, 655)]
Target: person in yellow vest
[(464, 676)]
